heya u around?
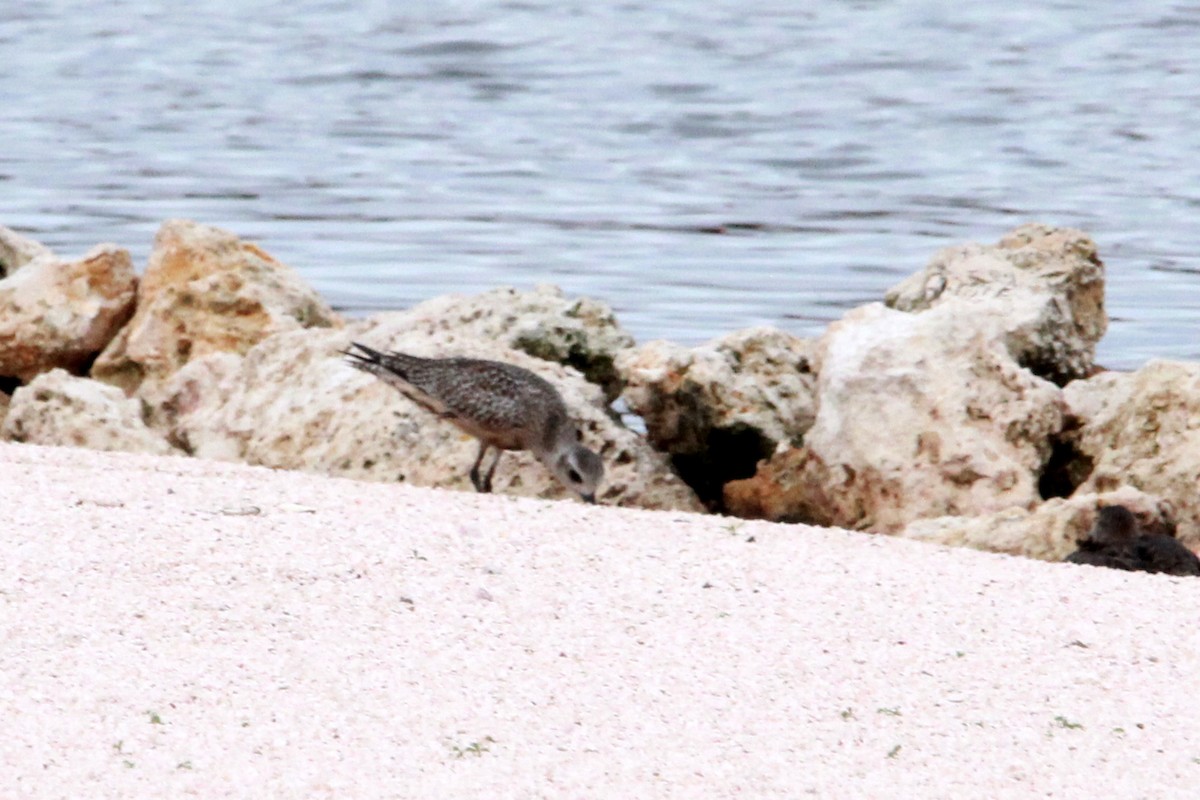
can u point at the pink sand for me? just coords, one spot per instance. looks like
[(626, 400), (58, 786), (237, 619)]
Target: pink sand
[(182, 628)]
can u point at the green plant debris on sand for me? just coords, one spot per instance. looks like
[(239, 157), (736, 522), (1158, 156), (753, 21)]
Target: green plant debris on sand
[(476, 749)]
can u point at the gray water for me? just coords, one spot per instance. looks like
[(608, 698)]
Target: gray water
[(702, 165)]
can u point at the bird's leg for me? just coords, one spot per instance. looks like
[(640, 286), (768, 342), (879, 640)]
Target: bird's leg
[(487, 479), (479, 484)]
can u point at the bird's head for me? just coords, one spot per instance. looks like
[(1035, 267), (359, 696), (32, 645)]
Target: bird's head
[(579, 469)]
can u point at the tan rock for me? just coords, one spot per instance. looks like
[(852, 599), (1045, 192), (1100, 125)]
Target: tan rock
[(581, 333), (919, 415), (1043, 285), (1048, 532), (719, 408), (774, 492), (205, 291), (57, 408), (55, 312), (293, 403), (1142, 430)]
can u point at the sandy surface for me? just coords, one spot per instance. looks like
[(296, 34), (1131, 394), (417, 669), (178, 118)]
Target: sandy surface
[(180, 628)]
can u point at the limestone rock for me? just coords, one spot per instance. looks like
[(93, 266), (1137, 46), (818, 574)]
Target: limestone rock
[(1100, 394), (185, 402), (293, 403), (1142, 429), (57, 408), (719, 408), (55, 312), (1048, 532), (205, 291), (918, 415), (581, 333), (16, 251), (1043, 285)]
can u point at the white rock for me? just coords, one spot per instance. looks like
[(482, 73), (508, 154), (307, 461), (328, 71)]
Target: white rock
[(57, 408), (17, 250), (1045, 285), (1142, 430), (919, 415)]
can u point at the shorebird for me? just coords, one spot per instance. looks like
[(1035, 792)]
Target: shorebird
[(1115, 541), (504, 406)]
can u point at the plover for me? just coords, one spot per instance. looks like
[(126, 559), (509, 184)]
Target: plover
[(504, 406), (1115, 541)]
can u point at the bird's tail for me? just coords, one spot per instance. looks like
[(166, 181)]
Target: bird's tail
[(367, 354), (394, 368), (367, 359)]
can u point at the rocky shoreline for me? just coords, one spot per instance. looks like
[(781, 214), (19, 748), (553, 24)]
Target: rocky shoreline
[(965, 409)]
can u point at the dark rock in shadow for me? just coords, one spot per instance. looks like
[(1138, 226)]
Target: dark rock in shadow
[(1116, 542), (1164, 554)]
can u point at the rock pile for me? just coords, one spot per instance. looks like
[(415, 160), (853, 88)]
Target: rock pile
[(230, 355), (967, 409)]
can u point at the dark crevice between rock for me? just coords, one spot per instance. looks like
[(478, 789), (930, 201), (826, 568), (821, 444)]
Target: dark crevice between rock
[(9, 384), (730, 454), (83, 367), (160, 421), (1066, 469), (598, 369), (1046, 368), (181, 443)]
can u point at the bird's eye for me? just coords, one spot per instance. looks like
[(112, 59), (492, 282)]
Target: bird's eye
[(575, 477)]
